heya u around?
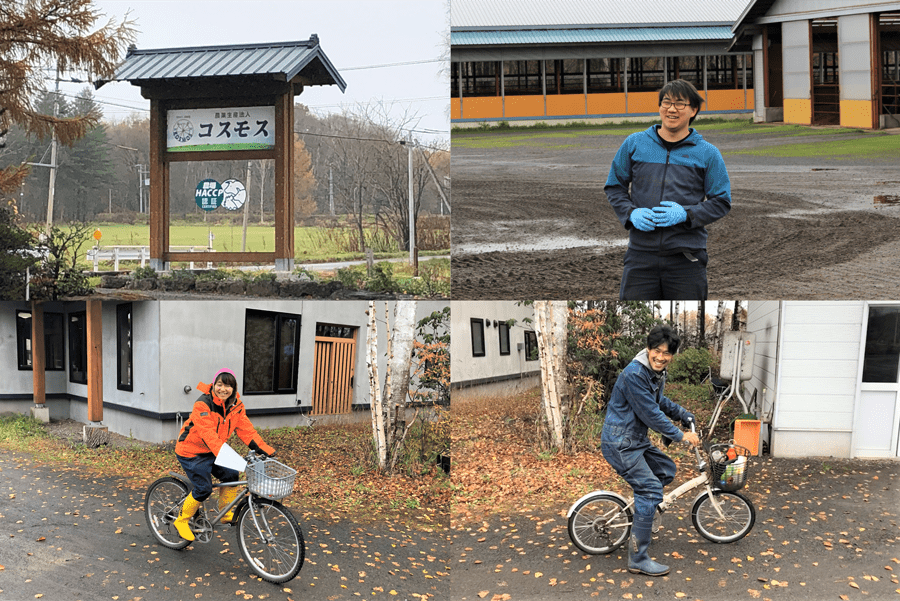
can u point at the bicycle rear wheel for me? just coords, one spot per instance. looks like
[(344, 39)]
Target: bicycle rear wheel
[(600, 524), (739, 516), (162, 505), (275, 550)]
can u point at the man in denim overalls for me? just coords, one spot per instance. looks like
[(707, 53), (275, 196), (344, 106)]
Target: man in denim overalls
[(637, 403)]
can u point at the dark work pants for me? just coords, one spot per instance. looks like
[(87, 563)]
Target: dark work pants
[(642, 465), (672, 277), (199, 470)]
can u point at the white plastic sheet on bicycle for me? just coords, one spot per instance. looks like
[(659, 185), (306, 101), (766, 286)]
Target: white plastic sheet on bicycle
[(229, 458)]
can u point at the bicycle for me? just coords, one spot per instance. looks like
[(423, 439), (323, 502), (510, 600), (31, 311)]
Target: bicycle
[(270, 540), (600, 521)]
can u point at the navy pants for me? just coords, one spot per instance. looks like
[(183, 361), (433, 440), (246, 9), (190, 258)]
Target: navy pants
[(671, 277), (199, 470), (646, 469)]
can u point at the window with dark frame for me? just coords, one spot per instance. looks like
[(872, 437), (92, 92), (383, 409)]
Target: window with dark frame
[(881, 361), (54, 341), (503, 331), (477, 327), (531, 346), (270, 352), (124, 351), (78, 347)]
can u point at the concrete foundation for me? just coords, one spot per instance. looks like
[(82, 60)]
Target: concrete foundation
[(41, 412)]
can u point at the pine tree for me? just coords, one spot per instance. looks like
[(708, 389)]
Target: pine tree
[(35, 33)]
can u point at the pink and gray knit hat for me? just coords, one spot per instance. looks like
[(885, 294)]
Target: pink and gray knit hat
[(223, 371)]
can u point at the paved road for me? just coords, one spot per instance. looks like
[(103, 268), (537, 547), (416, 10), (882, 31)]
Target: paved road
[(825, 529), (67, 535)]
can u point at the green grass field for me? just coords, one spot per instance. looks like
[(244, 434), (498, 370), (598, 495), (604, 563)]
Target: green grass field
[(310, 244), (511, 137), (872, 146)]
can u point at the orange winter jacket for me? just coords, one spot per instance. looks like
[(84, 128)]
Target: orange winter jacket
[(210, 425)]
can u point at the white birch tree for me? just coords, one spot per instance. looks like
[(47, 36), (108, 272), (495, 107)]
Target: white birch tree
[(551, 318), (389, 405)]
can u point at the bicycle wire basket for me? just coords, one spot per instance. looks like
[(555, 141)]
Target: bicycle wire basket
[(270, 479), (729, 465)]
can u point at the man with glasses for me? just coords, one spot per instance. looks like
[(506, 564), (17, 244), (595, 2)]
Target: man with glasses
[(665, 184)]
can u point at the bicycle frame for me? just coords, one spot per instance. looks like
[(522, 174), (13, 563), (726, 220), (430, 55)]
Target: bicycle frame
[(700, 480), (245, 493)]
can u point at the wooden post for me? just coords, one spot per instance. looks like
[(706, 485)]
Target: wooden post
[(159, 188), (38, 356), (284, 181), (95, 360)]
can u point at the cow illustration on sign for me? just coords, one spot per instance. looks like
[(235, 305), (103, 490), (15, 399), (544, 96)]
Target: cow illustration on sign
[(233, 194)]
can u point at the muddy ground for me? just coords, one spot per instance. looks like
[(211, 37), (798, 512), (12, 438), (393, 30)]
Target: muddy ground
[(531, 220)]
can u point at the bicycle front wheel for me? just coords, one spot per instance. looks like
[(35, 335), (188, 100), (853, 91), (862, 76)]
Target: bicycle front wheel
[(600, 524), (272, 544), (162, 505), (737, 519)]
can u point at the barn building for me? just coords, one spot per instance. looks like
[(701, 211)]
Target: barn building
[(830, 62), (530, 61)]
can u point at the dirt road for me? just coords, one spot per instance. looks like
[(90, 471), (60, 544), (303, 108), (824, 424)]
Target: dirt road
[(531, 219)]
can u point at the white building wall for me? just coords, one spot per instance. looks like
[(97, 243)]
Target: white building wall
[(494, 373), (817, 371)]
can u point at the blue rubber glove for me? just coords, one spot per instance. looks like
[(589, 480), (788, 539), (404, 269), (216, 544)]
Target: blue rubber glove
[(669, 213), (642, 219)]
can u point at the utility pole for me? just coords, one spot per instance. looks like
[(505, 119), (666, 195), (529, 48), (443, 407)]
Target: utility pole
[(246, 211), (412, 204), (54, 143), (330, 192)]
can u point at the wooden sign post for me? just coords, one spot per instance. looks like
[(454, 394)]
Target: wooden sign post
[(217, 103)]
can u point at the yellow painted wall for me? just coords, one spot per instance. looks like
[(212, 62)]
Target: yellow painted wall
[(856, 113), (726, 100), (643, 102), (565, 104), (798, 110), (488, 107), (455, 108), (606, 104), (524, 106)]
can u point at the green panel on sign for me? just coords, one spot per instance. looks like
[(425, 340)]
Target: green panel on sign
[(208, 195)]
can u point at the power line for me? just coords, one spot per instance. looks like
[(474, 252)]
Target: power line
[(422, 62)]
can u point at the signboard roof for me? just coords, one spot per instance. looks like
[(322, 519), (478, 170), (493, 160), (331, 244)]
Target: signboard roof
[(280, 61)]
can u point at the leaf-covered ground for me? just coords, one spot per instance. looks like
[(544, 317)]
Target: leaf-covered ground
[(499, 467), (335, 477)]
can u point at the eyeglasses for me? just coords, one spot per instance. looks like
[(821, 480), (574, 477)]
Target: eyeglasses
[(678, 104)]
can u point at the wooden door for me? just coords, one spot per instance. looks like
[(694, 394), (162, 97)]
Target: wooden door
[(333, 378)]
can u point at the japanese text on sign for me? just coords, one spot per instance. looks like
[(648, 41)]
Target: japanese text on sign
[(242, 128)]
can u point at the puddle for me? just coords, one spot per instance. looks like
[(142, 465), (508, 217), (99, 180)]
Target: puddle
[(887, 199), (537, 244)]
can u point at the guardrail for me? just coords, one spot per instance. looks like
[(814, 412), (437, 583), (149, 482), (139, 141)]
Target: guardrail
[(135, 253)]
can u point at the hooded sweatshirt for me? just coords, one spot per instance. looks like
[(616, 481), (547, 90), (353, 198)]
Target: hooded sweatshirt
[(211, 424), (637, 402), (692, 174)]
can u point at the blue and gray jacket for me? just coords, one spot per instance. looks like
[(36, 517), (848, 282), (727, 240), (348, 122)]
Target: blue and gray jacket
[(637, 402), (692, 174)]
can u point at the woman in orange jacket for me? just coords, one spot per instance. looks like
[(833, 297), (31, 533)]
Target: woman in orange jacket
[(216, 415)]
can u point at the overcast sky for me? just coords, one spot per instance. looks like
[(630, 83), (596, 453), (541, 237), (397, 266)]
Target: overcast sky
[(364, 39)]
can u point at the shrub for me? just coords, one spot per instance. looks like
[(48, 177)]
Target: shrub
[(141, 273), (690, 366)]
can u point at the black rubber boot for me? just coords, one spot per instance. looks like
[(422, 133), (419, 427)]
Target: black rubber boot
[(639, 561)]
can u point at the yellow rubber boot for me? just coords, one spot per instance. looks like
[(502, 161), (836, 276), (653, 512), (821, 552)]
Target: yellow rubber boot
[(226, 496), (188, 509)]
